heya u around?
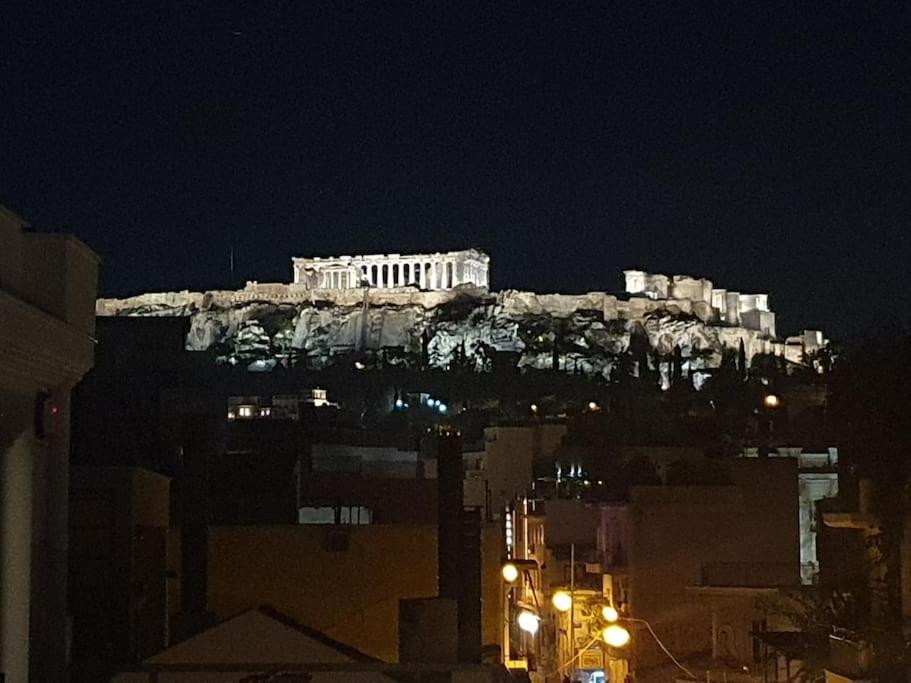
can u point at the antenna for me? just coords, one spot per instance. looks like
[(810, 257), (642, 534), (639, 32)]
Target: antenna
[(232, 261)]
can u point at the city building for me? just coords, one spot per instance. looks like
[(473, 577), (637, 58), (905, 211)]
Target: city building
[(510, 453), (119, 520), (261, 636), (47, 325), (685, 565), (259, 645), (817, 481)]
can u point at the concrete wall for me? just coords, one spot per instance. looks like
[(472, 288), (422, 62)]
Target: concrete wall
[(17, 454), (350, 595), (509, 455), (118, 526), (47, 290), (676, 531)]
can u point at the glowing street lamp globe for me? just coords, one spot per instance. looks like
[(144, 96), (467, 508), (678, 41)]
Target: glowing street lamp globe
[(609, 613), (528, 622), (616, 636), (562, 601), (771, 401), (510, 572)]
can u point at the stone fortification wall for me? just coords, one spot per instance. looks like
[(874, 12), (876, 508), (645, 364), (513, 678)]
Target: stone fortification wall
[(702, 298), (270, 323), (186, 302)]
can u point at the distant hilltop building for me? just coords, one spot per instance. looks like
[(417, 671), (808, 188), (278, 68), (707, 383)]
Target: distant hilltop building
[(750, 311), (437, 271), (398, 306)]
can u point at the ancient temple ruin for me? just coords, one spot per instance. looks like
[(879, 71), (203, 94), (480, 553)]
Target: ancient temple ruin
[(437, 271), (437, 310), (750, 311)]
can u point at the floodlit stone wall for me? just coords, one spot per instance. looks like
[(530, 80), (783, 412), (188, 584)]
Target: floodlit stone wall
[(467, 325), (747, 310)]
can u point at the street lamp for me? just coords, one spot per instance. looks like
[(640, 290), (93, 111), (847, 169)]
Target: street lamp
[(510, 572), (562, 601), (610, 614), (528, 621), (615, 636), (771, 401)]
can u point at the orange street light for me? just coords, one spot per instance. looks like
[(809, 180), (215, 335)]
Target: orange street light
[(562, 601), (616, 636), (510, 572)]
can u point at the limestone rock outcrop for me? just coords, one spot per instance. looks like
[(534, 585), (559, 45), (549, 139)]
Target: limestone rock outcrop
[(469, 328)]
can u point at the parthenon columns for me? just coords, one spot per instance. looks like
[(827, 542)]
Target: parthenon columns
[(431, 271)]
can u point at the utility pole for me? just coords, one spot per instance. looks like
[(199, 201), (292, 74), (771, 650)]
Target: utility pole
[(572, 607), (365, 316)]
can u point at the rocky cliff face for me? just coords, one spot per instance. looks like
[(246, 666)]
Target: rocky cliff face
[(588, 334)]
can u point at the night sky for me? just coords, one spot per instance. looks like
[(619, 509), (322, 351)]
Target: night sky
[(763, 146)]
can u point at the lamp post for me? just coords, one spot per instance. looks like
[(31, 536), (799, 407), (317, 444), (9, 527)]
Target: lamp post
[(572, 606), (527, 620), (770, 403), (616, 635)]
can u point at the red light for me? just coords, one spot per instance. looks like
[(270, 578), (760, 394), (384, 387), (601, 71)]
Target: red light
[(55, 410)]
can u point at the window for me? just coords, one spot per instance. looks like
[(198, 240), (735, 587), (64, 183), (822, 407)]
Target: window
[(335, 514), (354, 514), (316, 515)]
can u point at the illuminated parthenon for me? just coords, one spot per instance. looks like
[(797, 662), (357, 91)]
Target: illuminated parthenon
[(386, 271)]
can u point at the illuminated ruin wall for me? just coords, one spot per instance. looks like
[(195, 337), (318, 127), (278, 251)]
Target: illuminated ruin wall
[(267, 324)]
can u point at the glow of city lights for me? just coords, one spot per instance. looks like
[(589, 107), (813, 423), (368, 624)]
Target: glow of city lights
[(510, 572), (592, 406), (609, 613), (615, 636), (771, 401), (399, 403), (534, 407), (529, 622), (442, 408), (562, 601)]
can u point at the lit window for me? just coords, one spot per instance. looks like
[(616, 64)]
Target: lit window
[(354, 514), (316, 515)]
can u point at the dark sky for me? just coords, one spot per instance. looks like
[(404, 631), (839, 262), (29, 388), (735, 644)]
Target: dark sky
[(765, 146)]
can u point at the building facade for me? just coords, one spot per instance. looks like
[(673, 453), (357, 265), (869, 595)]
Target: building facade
[(437, 271), (47, 322)]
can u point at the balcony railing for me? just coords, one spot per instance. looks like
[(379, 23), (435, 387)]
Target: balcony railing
[(753, 574)]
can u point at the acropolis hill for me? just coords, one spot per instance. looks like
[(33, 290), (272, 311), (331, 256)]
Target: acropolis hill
[(436, 309)]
